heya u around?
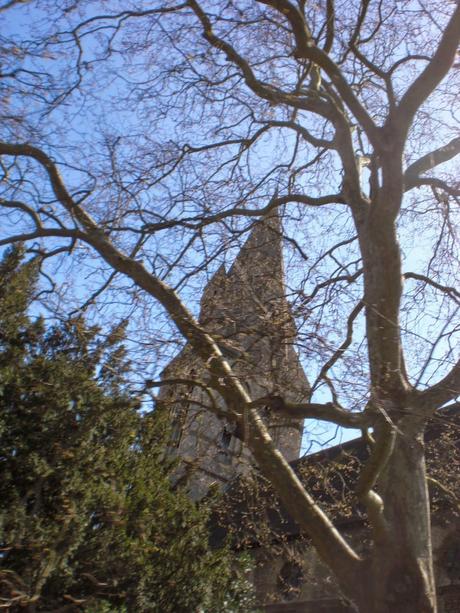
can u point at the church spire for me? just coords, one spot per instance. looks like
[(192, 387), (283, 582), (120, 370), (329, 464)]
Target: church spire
[(247, 312), (254, 286), (259, 264)]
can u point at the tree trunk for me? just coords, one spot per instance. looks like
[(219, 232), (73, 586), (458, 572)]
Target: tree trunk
[(400, 575)]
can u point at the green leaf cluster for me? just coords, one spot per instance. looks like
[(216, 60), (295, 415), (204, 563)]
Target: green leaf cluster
[(89, 518)]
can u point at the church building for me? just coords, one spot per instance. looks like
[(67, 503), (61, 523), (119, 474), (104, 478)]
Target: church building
[(246, 309)]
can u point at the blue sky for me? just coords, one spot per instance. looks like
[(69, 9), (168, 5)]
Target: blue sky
[(77, 133)]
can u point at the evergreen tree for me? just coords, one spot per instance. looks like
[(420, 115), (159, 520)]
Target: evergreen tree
[(89, 520)]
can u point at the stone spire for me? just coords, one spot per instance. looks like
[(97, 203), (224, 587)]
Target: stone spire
[(247, 311), (259, 264), (243, 299)]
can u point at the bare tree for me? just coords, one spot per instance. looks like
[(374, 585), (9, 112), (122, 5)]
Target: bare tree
[(142, 139)]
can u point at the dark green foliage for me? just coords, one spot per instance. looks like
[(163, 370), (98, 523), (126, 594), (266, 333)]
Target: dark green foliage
[(89, 520)]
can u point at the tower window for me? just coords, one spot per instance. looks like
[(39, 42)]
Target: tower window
[(177, 426), (176, 434), (226, 438), (225, 442)]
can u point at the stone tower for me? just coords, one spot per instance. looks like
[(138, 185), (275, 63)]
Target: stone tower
[(247, 311)]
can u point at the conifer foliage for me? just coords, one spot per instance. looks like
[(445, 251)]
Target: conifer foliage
[(89, 520)]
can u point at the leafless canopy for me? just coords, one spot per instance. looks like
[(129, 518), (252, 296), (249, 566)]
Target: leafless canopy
[(142, 140)]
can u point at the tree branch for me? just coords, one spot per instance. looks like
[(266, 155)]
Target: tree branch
[(433, 73), (202, 221), (433, 182), (381, 452), (330, 25), (306, 48), (207, 389), (454, 293), (28, 236), (332, 281), (12, 3), (445, 390), (330, 412), (17, 204), (304, 133), (343, 347), (445, 490), (268, 92), (430, 160)]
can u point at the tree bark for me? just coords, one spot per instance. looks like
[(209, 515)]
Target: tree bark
[(400, 574)]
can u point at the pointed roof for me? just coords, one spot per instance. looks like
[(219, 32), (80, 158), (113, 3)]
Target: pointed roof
[(245, 303), (259, 263)]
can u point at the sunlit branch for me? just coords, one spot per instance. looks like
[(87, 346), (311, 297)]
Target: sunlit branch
[(382, 449), (445, 490)]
